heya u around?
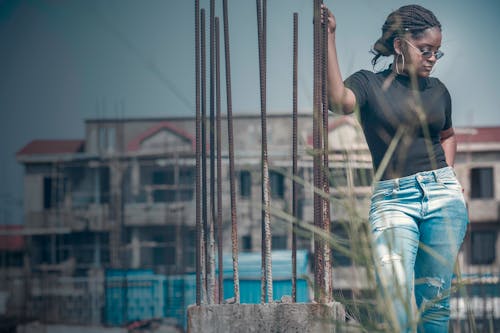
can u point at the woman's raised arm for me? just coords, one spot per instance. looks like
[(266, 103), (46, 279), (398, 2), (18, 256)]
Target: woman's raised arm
[(340, 98)]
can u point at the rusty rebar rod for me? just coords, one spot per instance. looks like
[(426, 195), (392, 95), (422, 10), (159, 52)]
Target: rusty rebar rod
[(198, 150), (327, 270), (267, 285), (204, 152), (220, 289), (229, 105), (317, 170), (262, 243), (210, 237), (294, 158)]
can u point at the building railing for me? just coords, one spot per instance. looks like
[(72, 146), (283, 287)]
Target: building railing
[(93, 217)]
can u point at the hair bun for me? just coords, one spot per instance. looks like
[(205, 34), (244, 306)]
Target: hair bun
[(413, 19)]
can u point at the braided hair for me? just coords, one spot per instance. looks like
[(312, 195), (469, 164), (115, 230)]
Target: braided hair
[(413, 19)]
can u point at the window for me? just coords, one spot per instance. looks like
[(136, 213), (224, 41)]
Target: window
[(111, 140), (163, 196), (163, 177), (338, 177), (189, 249), (362, 177), (186, 182), (278, 242), (47, 193), (339, 229), (107, 139), (246, 243), (300, 208), (186, 176), (482, 250), (170, 185), (481, 183), (101, 185), (245, 184), (11, 259), (104, 185), (167, 257), (102, 139), (54, 190), (277, 182), (158, 246)]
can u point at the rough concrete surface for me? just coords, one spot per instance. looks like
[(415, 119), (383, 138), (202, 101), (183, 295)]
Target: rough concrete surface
[(272, 317), (37, 327)]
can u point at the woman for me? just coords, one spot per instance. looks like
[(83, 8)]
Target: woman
[(418, 216)]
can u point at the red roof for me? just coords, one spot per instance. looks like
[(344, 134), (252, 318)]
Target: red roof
[(135, 144), (14, 242), (478, 134), (52, 147)]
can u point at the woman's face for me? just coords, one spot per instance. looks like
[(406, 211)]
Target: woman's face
[(422, 53)]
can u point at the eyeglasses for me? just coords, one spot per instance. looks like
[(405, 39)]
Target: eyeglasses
[(427, 54)]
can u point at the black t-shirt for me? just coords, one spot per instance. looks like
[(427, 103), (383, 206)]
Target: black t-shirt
[(412, 113)]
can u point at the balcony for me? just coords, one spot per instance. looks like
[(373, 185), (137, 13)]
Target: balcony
[(160, 213), (93, 217)]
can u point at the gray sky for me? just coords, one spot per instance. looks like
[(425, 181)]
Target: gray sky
[(65, 61)]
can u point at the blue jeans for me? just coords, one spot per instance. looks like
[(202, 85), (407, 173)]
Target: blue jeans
[(417, 223)]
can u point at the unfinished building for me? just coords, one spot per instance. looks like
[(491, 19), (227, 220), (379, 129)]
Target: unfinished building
[(123, 197)]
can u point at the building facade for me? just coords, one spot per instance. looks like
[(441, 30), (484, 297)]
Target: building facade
[(123, 197)]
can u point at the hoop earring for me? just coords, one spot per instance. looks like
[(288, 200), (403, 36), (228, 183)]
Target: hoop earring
[(397, 61)]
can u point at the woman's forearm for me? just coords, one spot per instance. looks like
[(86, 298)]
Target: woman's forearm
[(339, 97), (336, 89)]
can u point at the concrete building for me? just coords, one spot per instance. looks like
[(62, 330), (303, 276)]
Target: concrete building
[(123, 197)]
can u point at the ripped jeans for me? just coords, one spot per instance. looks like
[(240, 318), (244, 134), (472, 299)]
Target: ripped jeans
[(418, 223)]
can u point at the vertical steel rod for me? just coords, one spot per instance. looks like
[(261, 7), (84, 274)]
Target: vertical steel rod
[(267, 286), (262, 243), (204, 151), (267, 190), (264, 41), (198, 150), (317, 171), (327, 269), (229, 102), (262, 248), (219, 163), (294, 158), (211, 246)]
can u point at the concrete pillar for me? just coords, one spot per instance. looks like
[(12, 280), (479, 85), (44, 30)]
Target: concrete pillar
[(271, 317), (135, 248), (135, 177), (97, 186), (97, 250)]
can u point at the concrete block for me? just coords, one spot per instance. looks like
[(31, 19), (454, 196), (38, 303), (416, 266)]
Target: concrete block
[(271, 317)]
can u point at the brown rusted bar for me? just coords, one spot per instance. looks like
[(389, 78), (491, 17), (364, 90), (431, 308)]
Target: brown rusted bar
[(267, 198), (264, 40), (315, 153), (294, 158), (220, 290), (267, 286), (262, 243), (229, 102), (317, 170), (198, 150), (210, 237), (204, 152), (327, 269)]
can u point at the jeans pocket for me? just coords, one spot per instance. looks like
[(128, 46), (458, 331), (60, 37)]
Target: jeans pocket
[(379, 196)]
